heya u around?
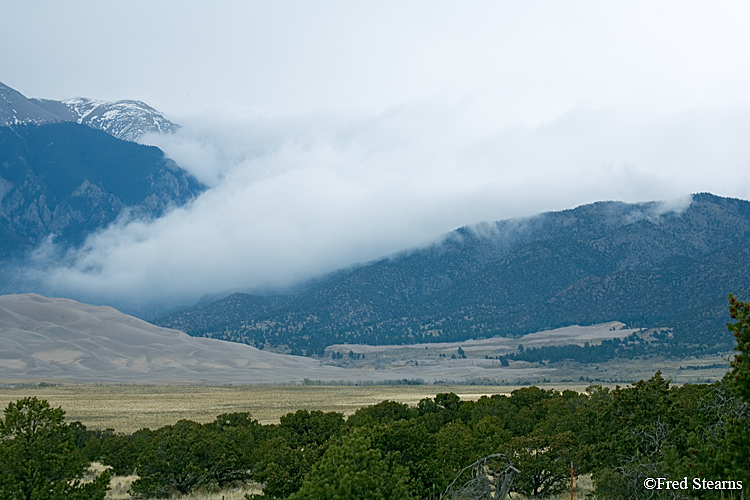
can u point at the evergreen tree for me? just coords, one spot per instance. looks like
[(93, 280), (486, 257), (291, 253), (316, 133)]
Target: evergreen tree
[(38, 456), (354, 469), (738, 427)]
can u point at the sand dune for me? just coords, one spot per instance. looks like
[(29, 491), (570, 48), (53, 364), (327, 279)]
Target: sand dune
[(48, 338)]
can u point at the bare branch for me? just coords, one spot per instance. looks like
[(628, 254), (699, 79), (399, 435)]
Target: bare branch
[(491, 478)]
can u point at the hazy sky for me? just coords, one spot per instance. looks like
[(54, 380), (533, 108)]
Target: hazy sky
[(336, 132)]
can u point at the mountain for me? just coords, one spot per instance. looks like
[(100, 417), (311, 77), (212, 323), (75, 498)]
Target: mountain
[(126, 119), (64, 180), (639, 263), (64, 340)]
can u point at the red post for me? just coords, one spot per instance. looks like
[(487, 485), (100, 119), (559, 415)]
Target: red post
[(571, 480)]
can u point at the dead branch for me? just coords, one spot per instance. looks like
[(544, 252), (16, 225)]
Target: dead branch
[(491, 479)]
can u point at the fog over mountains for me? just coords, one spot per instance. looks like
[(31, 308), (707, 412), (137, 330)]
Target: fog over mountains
[(85, 212), (70, 169), (648, 265)]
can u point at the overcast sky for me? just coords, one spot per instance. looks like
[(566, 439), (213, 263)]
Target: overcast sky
[(530, 60), (332, 133)]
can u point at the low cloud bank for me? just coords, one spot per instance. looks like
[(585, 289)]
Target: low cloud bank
[(293, 197)]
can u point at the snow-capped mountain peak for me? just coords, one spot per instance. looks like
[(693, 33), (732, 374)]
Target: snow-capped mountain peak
[(125, 119)]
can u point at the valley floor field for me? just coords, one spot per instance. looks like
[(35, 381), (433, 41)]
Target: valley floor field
[(127, 408)]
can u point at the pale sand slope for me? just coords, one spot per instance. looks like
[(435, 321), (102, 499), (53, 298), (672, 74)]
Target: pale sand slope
[(60, 339)]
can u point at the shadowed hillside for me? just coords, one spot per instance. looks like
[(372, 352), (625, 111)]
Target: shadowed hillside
[(65, 181)]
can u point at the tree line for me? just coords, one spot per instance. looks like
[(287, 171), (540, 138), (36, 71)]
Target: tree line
[(392, 450)]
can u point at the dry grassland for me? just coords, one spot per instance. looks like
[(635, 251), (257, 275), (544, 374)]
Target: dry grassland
[(120, 485), (119, 488), (127, 408)]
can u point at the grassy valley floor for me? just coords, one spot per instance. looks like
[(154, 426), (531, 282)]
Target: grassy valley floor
[(127, 408)]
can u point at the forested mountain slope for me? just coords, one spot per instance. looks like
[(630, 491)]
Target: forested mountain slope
[(637, 263)]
